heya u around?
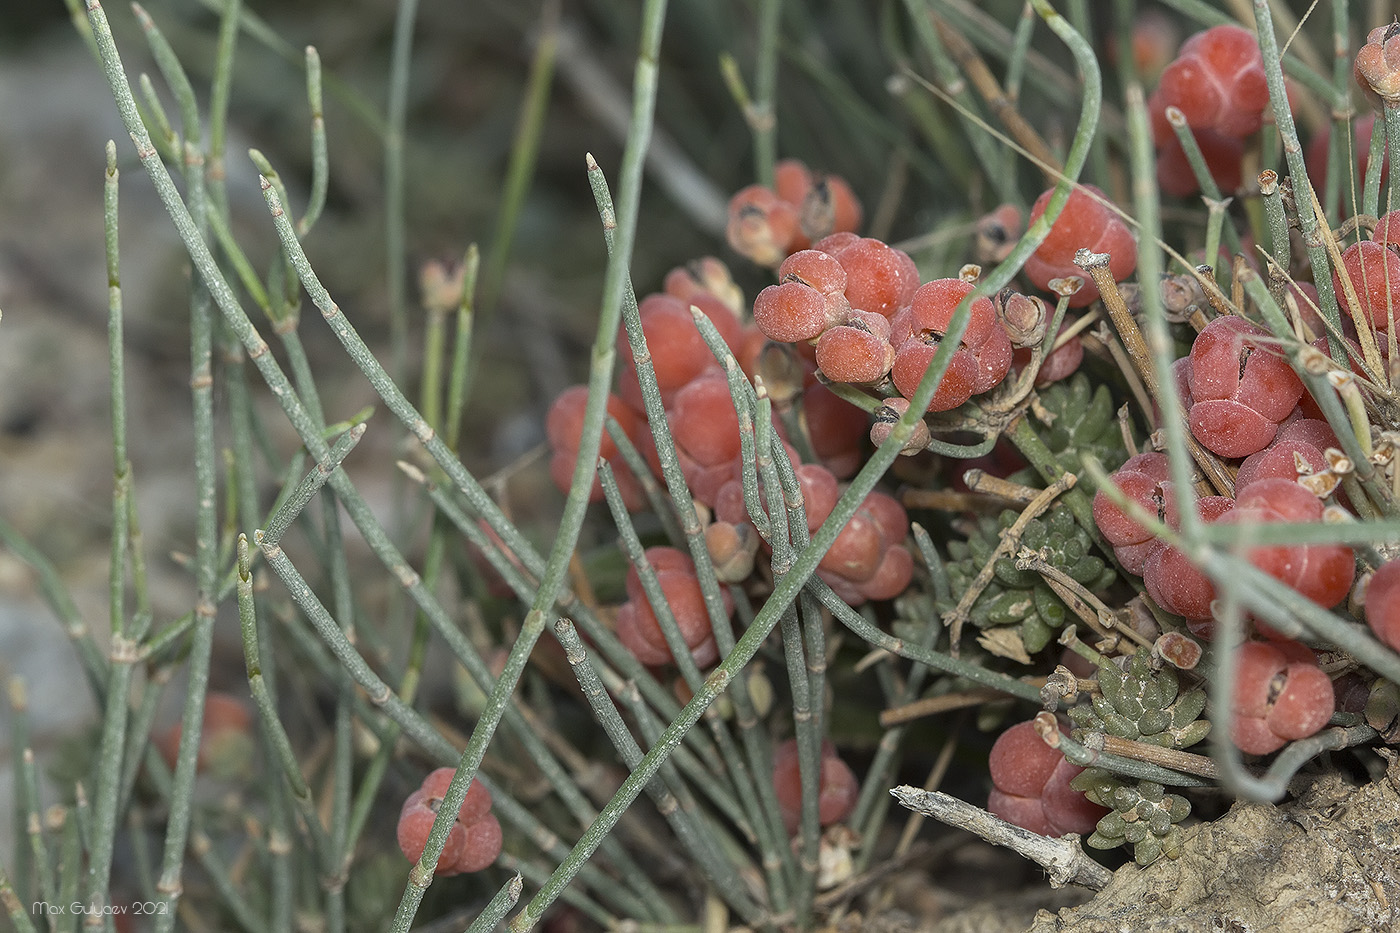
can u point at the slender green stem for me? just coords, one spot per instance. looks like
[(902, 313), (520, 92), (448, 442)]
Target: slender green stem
[(524, 153), (337, 866), (1376, 160), (1303, 197), (218, 104), (14, 905), (320, 157), (215, 869), (953, 84), (310, 484), (672, 798), (26, 866), (33, 817), (461, 347), (1391, 115), (60, 602), (499, 905), (70, 862), (763, 119), (205, 569), (1210, 191), (107, 771), (278, 741), (1020, 47), (175, 77), (1279, 246), (395, 221), (166, 139)]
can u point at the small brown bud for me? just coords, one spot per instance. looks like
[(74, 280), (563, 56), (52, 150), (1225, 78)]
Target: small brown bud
[(732, 549), (1066, 285), (1025, 318), (1178, 650), (1377, 68), (781, 372)]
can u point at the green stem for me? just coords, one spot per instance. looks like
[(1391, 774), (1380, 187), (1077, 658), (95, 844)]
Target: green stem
[(764, 115), (395, 221)]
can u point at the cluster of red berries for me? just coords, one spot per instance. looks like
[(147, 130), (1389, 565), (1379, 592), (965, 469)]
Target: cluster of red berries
[(768, 224), (564, 427), (837, 788), (473, 842), (637, 626), (858, 304), (868, 560), (1239, 387), (1217, 82), (1031, 786), (1322, 572)]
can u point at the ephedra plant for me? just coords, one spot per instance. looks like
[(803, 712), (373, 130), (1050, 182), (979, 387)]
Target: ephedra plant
[(1103, 449)]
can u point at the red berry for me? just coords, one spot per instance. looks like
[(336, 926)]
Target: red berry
[(481, 846), (819, 492), (1223, 155), (857, 351), (416, 822), (792, 180), (1020, 762), (475, 805), (983, 357), (474, 840), (1032, 786), (762, 226), (892, 575), (1217, 82), (959, 379), (837, 787), (678, 352), (813, 267), (1280, 695), (1373, 271), (879, 277), (825, 203), (1321, 572), (225, 737), (1383, 603), (564, 426), (1298, 444), (706, 276), (1241, 387), (856, 552), (791, 311), (639, 629), (1155, 38), (1377, 66), (837, 428), (1062, 362), (1176, 584), (1085, 223), (1140, 479)]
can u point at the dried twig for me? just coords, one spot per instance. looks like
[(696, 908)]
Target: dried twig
[(1062, 858)]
